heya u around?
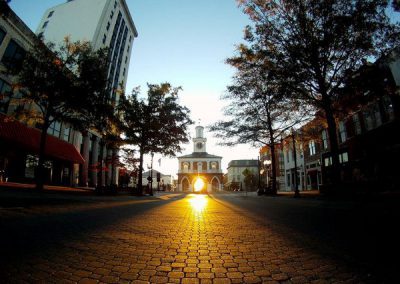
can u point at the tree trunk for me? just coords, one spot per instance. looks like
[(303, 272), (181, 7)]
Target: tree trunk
[(273, 158), (274, 188), (333, 177), (40, 174)]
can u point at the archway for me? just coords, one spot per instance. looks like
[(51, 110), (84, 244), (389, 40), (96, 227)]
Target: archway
[(185, 184), (215, 184)]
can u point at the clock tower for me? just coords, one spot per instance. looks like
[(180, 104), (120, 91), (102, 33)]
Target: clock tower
[(199, 142), (200, 168)]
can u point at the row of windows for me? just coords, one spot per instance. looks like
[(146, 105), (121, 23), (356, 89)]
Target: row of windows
[(55, 130), (13, 55), (198, 165)]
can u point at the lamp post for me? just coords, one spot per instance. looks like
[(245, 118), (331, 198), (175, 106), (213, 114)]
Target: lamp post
[(267, 164), (260, 191), (151, 175), (296, 185)]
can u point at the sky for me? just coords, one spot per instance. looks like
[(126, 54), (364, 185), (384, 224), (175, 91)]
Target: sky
[(185, 43)]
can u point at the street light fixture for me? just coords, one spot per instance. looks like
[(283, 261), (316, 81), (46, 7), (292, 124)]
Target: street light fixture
[(260, 190), (151, 175)]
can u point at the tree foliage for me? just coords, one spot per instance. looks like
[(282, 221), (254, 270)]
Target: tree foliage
[(258, 111), (157, 124), (317, 44), (64, 84)]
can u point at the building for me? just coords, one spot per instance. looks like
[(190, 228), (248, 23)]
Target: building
[(315, 143), (105, 24), (368, 144), (165, 180), (243, 175), (266, 166), (200, 171), (19, 140)]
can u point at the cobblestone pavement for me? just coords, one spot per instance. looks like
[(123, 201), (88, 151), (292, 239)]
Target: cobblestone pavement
[(194, 239)]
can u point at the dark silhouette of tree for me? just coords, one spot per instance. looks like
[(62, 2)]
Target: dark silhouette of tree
[(157, 124), (317, 44), (258, 113)]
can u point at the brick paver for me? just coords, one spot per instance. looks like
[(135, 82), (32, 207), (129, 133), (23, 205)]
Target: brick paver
[(192, 240)]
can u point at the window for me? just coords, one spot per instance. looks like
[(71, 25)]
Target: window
[(342, 132), (54, 129), (108, 26), (50, 14), (31, 163), (343, 157), (115, 4), (14, 55), (325, 139), (312, 147), (388, 108), (45, 24), (5, 94), (123, 73), (2, 35), (67, 133), (328, 161), (372, 117), (112, 14), (104, 39), (356, 124)]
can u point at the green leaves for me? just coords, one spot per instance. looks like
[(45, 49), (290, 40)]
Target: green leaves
[(157, 124)]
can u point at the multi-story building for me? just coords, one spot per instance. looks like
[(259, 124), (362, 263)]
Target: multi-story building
[(293, 156), (105, 24), (19, 140), (243, 175), (315, 143), (368, 144), (200, 167)]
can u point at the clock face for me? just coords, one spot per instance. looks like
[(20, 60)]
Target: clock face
[(199, 145)]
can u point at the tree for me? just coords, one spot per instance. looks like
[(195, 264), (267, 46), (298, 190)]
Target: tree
[(155, 125), (317, 45), (250, 179), (65, 84), (258, 113)]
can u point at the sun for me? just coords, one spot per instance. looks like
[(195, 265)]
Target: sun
[(198, 184)]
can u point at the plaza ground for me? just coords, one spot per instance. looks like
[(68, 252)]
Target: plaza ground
[(55, 237)]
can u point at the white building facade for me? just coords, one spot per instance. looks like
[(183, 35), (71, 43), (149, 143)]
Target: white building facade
[(200, 165), (236, 178), (105, 24)]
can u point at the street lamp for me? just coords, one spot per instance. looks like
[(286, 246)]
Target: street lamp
[(151, 175), (260, 190), (267, 163)]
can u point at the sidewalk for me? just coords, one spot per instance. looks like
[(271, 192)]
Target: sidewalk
[(47, 188)]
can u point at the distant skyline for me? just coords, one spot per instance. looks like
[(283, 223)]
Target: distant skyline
[(184, 43)]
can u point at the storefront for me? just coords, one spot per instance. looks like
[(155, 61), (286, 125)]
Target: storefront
[(19, 148)]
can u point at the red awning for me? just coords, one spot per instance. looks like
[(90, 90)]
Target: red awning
[(28, 138)]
